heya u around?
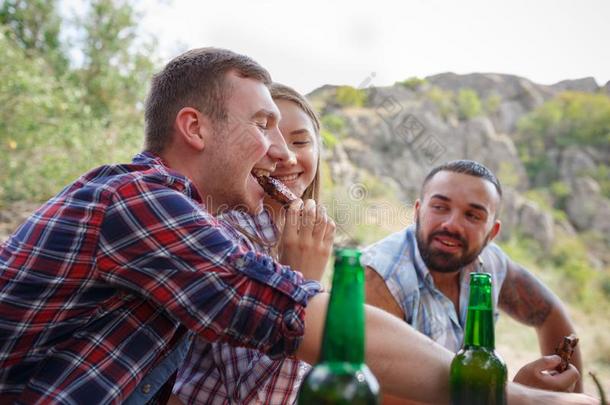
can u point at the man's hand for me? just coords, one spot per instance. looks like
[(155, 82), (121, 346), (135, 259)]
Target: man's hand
[(307, 238), (540, 374)]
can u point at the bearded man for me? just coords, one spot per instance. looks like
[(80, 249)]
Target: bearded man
[(421, 274)]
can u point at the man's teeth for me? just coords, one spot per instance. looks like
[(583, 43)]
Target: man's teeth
[(287, 178), (261, 172), (447, 243)]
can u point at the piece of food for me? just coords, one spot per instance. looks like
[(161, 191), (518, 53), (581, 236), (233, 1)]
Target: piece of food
[(276, 189), (565, 350)]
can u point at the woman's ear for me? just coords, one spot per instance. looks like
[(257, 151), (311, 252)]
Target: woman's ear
[(192, 127)]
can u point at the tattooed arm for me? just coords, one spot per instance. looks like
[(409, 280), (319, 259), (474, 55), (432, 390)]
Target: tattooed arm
[(529, 301)]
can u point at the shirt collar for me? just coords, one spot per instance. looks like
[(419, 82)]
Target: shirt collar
[(423, 274), (149, 158), (179, 181)]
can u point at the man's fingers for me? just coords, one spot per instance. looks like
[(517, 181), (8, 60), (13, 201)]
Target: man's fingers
[(563, 381), (547, 362)]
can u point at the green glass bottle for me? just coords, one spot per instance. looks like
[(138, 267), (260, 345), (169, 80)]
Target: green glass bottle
[(478, 374), (341, 376)]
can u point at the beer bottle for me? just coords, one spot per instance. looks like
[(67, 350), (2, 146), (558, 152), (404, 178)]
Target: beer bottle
[(341, 377), (478, 374)]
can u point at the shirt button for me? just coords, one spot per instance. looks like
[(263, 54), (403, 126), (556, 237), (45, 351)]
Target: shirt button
[(146, 388)]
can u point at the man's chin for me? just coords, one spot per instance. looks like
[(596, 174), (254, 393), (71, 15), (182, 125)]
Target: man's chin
[(442, 263), (444, 268)]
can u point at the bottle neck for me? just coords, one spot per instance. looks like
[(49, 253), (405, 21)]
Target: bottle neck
[(344, 328), (479, 330)]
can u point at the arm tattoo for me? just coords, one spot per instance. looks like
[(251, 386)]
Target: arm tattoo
[(524, 297)]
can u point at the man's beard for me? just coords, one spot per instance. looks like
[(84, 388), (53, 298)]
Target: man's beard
[(444, 262)]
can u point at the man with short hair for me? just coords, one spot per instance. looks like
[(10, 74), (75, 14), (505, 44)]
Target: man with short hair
[(421, 274), (102, 285)]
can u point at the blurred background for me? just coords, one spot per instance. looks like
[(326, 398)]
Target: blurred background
[(523, 87)]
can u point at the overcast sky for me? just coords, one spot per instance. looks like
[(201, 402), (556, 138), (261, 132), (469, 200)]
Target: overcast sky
[(310, 43)]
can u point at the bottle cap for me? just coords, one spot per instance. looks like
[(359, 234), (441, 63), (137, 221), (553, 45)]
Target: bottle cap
[(347, 256), (480, 279)]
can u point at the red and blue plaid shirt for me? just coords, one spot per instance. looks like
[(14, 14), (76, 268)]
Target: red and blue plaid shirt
[(97, 286), (221, 374)]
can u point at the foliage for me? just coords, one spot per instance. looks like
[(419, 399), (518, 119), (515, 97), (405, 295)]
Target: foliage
[(115, 65), (413, 83), (508, 176), (601, 174), (53, 124), (333, 129), (468, 104), (546, 200), (348, 96), (567, 268), (34, 27), (491, 104), (570, 258), (571, 118), (465, 104), (443, 100), (560, 192)]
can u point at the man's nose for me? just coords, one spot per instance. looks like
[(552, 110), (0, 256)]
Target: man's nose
[(452, 223), (278, 149)]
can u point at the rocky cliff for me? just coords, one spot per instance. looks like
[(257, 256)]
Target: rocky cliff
[(402, 131)]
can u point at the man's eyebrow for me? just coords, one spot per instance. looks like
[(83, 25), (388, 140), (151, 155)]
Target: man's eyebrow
[(264, 113), (478, 207), (441, 197), (475, 206)]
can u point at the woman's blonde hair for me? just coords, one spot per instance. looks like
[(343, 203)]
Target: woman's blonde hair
[(283, 92)]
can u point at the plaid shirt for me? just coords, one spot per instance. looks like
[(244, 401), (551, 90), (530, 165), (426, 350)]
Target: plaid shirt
[(97, 286), (219, 374), (398, 261)]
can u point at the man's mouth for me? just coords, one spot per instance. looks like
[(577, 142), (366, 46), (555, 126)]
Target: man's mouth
[(448, 242), (257, 173), (453, 242)]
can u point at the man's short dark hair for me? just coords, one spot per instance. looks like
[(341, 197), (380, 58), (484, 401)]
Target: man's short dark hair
[(469, 167), (194, 79)]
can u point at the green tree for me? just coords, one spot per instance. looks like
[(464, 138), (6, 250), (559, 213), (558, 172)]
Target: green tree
[(443, 100), (333, 129), (54, 127), (348, 96), (491, 105), (468, 104), (34, 26), (413, 83), (571, 118), (116, 64)]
